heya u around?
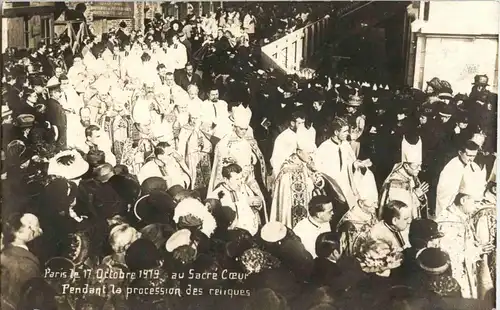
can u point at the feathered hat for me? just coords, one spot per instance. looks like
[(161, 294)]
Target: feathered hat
[(68, 164)]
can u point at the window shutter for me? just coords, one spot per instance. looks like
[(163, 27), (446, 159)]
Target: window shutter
[(36, 30)]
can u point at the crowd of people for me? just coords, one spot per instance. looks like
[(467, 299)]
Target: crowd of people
[(137, 173)]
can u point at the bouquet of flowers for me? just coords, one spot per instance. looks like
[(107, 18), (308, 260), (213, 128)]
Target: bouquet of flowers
[(378, 256)]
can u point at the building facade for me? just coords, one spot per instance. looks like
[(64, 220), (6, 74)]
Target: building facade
[(455, 40), (24, 24)]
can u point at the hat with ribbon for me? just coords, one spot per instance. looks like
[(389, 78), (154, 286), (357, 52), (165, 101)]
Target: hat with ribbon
[(445, 95), (433, 260), (25, 120), (444, 109)]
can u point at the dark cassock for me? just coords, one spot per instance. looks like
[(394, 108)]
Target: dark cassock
[(56, 116)]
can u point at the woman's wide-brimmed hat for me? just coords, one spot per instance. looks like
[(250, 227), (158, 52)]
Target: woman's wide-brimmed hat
[(68, 164)]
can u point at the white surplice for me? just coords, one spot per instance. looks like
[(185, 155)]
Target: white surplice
[(450, 179), (284, 146), (328, 161)]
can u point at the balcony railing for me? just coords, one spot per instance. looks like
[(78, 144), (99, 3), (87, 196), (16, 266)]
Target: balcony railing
[(290, 52)]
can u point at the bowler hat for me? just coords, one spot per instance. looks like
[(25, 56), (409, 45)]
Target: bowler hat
[(156, 207), (25, 120)]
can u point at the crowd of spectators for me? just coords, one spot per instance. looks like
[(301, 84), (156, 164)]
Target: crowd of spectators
[(95, 180)]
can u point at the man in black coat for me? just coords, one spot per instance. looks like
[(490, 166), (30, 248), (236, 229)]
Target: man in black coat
[(331, 267), (56, 116), (187, 77), (12, 94), (42, 58), (121, 34)]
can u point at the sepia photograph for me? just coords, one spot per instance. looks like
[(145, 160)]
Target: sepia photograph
[(251, 155)]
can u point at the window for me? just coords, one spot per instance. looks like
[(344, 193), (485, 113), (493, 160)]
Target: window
[(294, 46), (20, 4), (26, 31), (45, 29)]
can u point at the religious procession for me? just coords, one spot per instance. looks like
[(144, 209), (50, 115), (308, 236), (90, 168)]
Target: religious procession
[(175, 151)]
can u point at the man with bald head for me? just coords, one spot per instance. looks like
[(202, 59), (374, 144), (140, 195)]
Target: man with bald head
[(18, 264)]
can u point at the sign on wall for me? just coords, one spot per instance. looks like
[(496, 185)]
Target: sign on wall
[(113, 9)]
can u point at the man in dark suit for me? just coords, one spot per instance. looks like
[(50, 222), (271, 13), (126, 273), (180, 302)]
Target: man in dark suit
[(187, 77), (122, 33), (18, 264), (56, 116), (41, 56)]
